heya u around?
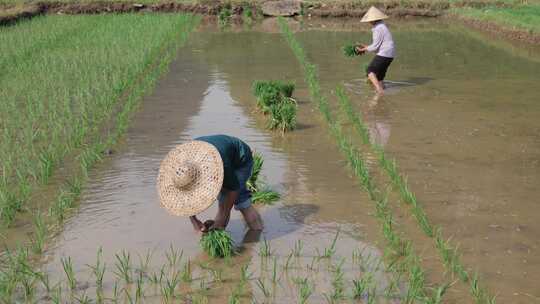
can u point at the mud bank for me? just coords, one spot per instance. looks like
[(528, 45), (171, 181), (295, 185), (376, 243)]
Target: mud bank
[(499, 30)]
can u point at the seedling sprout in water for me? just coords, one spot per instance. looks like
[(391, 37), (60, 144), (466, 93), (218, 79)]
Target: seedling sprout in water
[(217, 243)]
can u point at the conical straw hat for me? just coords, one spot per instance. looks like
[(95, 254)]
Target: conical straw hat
[(373, 14), (190, 178)]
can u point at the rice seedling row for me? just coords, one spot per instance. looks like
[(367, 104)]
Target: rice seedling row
[(401, 250), (449, 253), (59, 95), (173, 284), (162, 54)]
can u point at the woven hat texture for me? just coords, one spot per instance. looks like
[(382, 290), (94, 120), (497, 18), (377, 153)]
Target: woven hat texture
[(373, 14), (190, 178)]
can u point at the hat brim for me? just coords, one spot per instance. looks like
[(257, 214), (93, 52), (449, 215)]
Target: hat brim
[(373, 14), (203, 191)]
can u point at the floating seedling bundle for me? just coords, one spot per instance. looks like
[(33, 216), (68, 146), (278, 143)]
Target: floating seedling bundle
[(275, 98), (217, 243)]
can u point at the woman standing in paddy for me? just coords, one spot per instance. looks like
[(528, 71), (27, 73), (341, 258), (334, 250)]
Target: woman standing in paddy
[(382, 45)]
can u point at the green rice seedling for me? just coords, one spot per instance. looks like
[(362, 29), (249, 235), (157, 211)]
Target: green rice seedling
[(258, 162), (476, 291), (305, 290), (139, 292), (186, 272), (83, 299), (274, 271), (234, 298), (349, 50), (99, 269), (265, 249), (265, 197), (338, 291), (314, 261), (297, 250), (168, 289), (217, 243), (361, 286), (245, 275), (173, 257), (329, 252), (123, 266), (67, 265), (217, 274), (155, 278), (46, 164), (28, 281), (287, 262), (56, 296), (45, 281), (438, 293), (283, 117), (266, 292), (40, 233), (144, 262)]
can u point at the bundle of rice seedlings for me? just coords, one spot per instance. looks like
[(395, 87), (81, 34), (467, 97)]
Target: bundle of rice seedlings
[(283, 116), (258, 162), (217, 243), (266, 197), (349, 50), (285, 88), (272, 92)]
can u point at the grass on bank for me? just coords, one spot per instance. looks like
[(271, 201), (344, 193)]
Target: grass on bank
[(526, 17)]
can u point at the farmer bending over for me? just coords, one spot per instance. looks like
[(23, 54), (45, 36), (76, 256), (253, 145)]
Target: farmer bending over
[(382, 44), (195, 173)]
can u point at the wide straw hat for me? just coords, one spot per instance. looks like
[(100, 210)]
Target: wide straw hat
[(190, 178), (373, 14)]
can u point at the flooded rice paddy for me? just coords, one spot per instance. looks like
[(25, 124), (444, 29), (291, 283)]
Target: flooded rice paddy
[(460, 116)]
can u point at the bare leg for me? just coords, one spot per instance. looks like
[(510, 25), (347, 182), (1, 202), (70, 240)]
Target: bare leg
[(376, 83), (252, 218)]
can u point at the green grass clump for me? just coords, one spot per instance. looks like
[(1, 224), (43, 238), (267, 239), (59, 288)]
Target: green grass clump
[(217, 243), (349, 50)]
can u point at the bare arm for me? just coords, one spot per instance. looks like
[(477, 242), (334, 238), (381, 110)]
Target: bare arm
[(224, 211)]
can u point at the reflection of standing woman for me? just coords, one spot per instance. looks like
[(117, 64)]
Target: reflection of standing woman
[(382, 44)]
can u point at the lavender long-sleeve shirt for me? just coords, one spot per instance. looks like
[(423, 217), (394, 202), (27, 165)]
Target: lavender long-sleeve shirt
[(382, 43)]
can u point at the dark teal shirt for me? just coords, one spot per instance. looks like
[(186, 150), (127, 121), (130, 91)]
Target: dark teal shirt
[(234, 153)]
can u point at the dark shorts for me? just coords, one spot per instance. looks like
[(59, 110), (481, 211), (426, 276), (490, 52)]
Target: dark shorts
[(244, 198), (379, 65)]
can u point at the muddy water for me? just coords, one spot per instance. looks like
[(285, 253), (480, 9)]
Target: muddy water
[(207, 91), (460, 116)]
